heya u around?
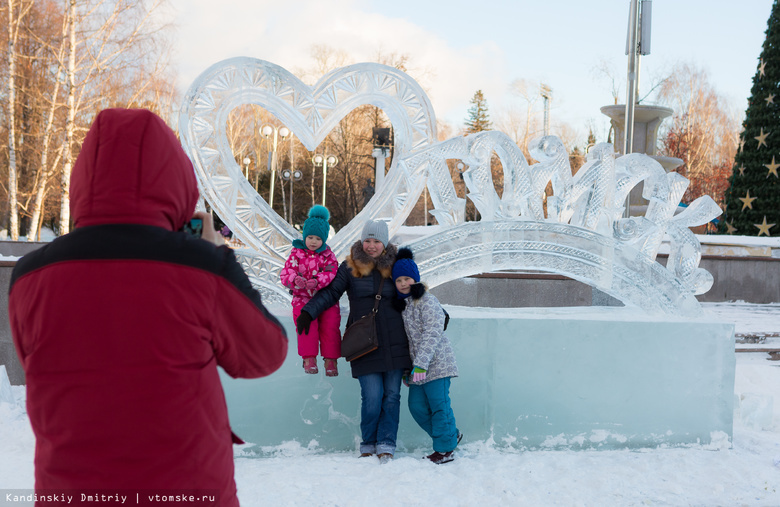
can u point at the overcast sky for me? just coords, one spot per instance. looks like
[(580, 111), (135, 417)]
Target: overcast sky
[(457, 47)]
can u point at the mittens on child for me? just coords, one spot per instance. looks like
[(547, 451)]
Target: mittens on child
[(418, 374), (311, 284), (300, 282)]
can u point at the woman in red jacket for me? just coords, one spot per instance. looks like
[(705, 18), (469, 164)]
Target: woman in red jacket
[(121, 324)]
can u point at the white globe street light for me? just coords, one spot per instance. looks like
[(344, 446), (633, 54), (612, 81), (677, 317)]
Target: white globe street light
[(247, 160), (324, 161), (292, 177)]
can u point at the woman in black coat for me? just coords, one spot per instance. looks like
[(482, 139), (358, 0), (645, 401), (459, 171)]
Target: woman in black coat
[(379, 372)]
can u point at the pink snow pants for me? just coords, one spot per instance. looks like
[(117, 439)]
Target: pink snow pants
[(324, 333)]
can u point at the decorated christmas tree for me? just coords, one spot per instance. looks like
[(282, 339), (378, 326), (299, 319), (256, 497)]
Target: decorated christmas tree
[(753, 197)]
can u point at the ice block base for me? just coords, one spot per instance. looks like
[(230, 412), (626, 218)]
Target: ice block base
[(531, 378)]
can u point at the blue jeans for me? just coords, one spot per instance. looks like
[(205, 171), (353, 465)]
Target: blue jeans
[(380, 411), (429, 404)]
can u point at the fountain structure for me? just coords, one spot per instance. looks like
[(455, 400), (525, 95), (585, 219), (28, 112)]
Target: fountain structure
[(647, 121)]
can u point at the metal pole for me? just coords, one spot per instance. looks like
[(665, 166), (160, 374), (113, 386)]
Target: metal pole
[(633, 18), (324, 177), (631, 88), (379, 177), (546, 116), (425, 206), (257, 170), (292, 176), (546, 92), (273, 171)]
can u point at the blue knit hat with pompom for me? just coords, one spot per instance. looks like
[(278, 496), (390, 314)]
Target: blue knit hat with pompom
[(405, 265)]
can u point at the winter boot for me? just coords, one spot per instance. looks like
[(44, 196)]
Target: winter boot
[(385, 458), (441, 457), (331, 368), (310, 365)]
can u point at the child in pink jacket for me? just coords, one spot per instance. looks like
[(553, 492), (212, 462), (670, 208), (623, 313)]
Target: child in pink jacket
[(311, 266)]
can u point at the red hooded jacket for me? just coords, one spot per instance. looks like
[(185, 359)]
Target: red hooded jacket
[(120, 326)]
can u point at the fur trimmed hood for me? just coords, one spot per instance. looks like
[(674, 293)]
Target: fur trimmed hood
[(363, 264), (418, 290)]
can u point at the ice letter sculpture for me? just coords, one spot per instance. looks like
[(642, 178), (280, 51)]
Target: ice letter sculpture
[(583, 236)]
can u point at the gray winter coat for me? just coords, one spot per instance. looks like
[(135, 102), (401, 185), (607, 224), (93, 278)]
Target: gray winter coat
[(429, 348)]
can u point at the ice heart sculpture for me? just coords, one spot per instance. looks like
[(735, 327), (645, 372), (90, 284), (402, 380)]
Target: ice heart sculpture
[(583, 234)]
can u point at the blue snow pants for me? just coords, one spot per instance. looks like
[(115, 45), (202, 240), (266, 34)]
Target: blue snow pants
[(429, 404)]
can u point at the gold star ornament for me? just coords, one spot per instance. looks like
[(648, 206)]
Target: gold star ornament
[(741, 169), (770, 100), (762, 138), (730, 229), (772, 168), (747, 201), (762, 67), (764, 227)]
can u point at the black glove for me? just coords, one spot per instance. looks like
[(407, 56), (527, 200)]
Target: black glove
[(399, 304), (303, 323)]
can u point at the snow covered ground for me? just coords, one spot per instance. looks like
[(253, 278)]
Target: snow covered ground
[(746, 473)]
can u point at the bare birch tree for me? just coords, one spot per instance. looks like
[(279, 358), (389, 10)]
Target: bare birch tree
[(110, 53), (47, 168), (108, 31), (14, 19), (70, 124)]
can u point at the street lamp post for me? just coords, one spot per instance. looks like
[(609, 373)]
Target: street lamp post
[(292, 176), (247, 160), (461, 168), (382, 146), (637, 44), (546, 93), (324, 161), (266, 131)]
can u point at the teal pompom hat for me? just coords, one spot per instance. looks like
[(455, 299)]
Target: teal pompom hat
[(317, 224)]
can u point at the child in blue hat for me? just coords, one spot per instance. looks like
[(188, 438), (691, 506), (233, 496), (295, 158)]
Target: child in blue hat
[(432, 357), (310, 267)]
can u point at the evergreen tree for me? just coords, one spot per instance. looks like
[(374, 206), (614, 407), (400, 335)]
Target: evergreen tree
[(591, 138), (479, 119), (576, 159), (753, 198)]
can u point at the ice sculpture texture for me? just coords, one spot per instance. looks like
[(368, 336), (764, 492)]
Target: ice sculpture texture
[(583, 236), (553, 378)]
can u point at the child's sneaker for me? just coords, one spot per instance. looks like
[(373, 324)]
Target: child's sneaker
[(310, 365), (441, 457), (331, 368), (385, 458)]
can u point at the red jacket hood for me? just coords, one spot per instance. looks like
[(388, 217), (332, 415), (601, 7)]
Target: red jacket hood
[(132, 170)]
